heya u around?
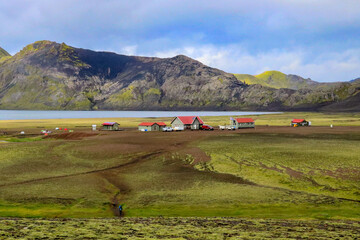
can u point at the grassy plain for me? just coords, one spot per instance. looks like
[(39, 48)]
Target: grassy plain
[(274, 171)]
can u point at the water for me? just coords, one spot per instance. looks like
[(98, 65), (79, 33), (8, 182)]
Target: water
[(27, 114)]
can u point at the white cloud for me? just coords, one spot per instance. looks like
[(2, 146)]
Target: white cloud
[(332, 66), (129, 50)]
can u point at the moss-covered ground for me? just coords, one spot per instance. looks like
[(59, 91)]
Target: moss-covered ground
[(271, 172), (177, 228)]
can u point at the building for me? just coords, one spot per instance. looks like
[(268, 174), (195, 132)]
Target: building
[(299, 123), (151, 126), (243, 123), (110, 126), (189, 122)]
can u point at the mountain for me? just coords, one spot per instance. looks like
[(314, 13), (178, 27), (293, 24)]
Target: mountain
[(3, 53), (276, 79), (48, 75)]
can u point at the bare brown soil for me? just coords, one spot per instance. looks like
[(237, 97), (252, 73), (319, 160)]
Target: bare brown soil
[(71, 135)]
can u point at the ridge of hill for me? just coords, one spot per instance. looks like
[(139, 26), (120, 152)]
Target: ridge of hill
[(3, 53), (277, 80), (47, 75)]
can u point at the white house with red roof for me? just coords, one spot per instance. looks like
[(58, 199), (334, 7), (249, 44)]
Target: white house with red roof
[(110, 126), (151, 126), (242, 122), (187, 122), (299, 123)]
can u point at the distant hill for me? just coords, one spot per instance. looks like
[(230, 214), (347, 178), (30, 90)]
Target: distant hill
[(48, 75), (276, 79), (3, 54)]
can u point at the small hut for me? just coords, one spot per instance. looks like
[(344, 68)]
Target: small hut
[(242, 122), (189, 122), (151, 126), (300, 123), (110, 126)]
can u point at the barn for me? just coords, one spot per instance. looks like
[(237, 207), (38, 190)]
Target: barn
[(151, 126), (110, 126), (187, 122), (243, 123), (299, 123)]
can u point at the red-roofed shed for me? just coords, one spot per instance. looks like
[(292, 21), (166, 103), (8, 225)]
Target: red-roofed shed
[(110, 126), (243, 122), (299, 123), (151, 126)]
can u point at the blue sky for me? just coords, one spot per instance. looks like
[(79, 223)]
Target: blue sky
[(315, 39)]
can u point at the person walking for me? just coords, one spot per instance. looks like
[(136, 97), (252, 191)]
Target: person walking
[(120, 210)]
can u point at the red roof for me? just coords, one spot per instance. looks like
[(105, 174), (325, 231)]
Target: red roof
[(189, 119), (152, 123), (161, 123), (109, 123), (298, 120), (244, 120)]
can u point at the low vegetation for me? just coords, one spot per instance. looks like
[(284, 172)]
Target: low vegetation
[(181, 228), (262, 177)]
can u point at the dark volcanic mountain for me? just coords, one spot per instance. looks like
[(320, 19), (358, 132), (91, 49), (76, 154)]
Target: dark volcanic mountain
[(48, 75)]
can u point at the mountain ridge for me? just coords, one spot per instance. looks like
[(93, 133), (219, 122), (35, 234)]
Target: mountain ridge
[(277, 79), (47, 75)]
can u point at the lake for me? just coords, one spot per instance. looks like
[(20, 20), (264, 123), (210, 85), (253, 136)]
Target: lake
[(27, 114)]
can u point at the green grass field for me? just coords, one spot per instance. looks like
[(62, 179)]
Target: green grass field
[(270, 172)]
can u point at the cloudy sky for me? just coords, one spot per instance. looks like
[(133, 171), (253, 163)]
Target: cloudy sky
[(315, 39)]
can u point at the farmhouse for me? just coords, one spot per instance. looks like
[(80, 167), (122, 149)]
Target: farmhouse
[(110, 126), (189, 122), (243, 123), (299, 123), (151, 126)]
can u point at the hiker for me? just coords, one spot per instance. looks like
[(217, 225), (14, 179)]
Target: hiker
[(120, 210)]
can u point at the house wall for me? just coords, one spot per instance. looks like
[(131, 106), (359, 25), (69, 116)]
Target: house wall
[(177, 123), (154, 127), (245, 125), (111, 128), (196, 124), (148, 128), (302, 124)]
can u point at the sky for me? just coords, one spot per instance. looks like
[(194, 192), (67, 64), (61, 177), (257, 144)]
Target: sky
[(314, 39)]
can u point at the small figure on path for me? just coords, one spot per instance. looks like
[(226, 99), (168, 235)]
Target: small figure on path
[(120, 210)]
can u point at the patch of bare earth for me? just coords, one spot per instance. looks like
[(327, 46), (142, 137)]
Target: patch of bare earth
[(72, 135)]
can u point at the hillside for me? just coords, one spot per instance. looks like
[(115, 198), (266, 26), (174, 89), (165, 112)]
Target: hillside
[(3, 53), (276, 79), (48, 75)]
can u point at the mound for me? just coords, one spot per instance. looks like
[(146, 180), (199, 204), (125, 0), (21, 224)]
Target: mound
[(72, 135)]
